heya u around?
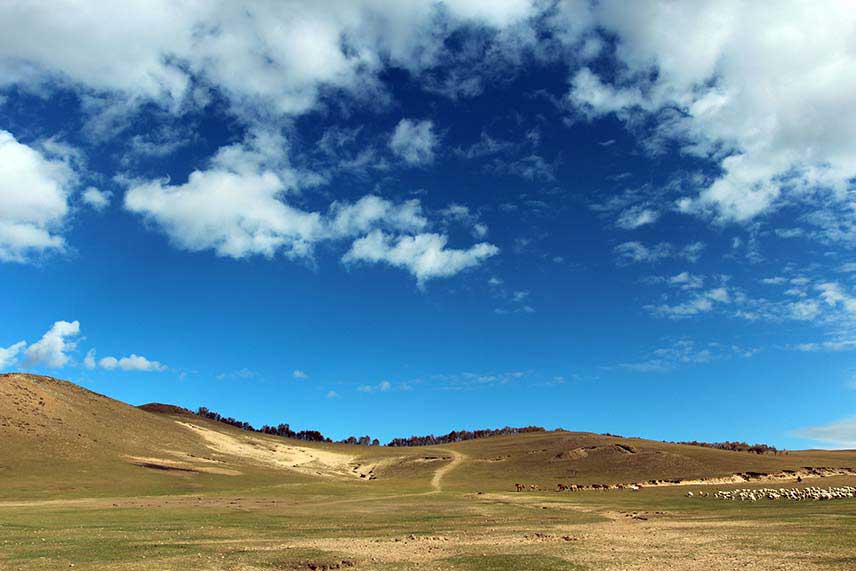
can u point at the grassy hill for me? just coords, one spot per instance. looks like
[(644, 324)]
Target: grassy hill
[(93, 483), (101, 446)]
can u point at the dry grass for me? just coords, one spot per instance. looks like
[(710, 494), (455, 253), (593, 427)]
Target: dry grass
[(91, 482)]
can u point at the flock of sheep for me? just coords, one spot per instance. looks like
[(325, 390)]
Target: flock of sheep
[(794, 494)]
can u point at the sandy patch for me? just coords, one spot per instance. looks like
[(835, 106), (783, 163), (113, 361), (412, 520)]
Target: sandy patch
[(283, 455)]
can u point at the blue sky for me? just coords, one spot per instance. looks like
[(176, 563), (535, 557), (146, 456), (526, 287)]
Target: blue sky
[(372, 217)]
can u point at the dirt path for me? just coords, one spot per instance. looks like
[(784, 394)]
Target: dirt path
[(437, 480)]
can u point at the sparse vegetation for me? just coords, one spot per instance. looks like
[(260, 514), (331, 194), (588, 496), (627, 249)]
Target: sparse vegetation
[(736, 446), (462, 436), (283, 430), (91, 483)]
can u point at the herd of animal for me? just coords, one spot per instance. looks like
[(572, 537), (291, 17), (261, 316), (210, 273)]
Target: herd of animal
[(794, 494), (598, 487), (579, 487), (811, 493)]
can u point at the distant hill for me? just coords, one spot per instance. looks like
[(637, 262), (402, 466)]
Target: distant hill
[(57, 438)]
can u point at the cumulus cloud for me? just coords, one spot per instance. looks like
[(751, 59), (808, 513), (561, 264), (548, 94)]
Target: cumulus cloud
[(278, 55), (686, 280), (96, 199), (414, 141), (53, 348), (9, 355), (132, 362), (235, 214), (637, 216), (234, 206), (423, 255), (372, 211), (238, 207), (33, 200), (717, 63), (835, 296), (805, 310), (298, 374)]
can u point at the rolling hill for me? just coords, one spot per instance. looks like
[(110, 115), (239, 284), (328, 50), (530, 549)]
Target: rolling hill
[(59, 439)]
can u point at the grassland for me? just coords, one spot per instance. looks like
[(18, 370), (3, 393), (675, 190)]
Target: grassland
[(91, 483)]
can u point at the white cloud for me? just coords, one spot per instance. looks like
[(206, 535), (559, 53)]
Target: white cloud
[(277, 56), (131, 363), (637, 216), (8, 355), (765, 98), (234, 214), (497, 13), (458, 213), (97, 199), (383, 386), (805, 310), (836, 345), (240, 374), (53, 348), (834, 295), (298, 374), (89, 360), (841, 434), (237, 208), (332, 395), (686, 280), (701, 73), (423, 255), (33, 200), (372, 211), (234, 207), (683, 352), (702, 302), (640, 253), (414, 141), (596, 98)]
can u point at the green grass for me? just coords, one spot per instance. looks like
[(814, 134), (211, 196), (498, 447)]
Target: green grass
[(71, 497), (510, 562), (468, 532)]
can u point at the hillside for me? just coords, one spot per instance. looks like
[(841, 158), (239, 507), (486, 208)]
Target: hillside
[(57, 438)]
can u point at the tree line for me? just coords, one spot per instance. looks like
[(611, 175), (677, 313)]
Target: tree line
[(285, 431), (735, 446), (462, 435)]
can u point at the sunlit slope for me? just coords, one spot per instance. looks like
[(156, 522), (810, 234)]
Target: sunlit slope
[(60, 440), (547, 458)]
